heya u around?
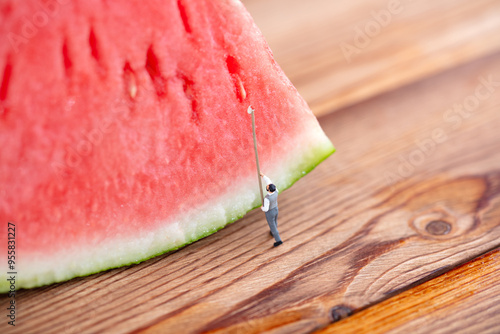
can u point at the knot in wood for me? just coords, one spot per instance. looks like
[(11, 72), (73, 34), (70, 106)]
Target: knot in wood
[(340, 312), (440, 223), (438, 227)]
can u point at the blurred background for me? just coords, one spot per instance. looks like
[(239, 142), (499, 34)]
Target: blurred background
[(338, 53)]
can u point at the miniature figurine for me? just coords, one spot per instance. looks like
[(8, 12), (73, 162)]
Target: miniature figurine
[(270, 207), (270, 202)]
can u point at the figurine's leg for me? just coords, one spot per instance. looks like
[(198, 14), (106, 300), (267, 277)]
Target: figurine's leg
[(271, 221), (275, 222), (276, 219)]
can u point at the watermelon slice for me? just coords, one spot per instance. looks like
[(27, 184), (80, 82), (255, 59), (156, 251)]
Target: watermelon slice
[(125, 131)]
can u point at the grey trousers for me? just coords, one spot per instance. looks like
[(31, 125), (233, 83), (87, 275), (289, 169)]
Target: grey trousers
[(272, 221)]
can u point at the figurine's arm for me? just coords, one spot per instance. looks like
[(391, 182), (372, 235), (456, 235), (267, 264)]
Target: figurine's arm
[(267, 180)]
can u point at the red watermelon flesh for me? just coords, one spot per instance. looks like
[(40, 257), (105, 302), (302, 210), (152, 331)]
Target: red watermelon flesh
[(125, 133)]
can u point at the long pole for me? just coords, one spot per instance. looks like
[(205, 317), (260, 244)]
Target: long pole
[(251, 111)]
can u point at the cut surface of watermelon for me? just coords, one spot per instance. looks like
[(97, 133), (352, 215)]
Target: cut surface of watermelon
[(125, 131)]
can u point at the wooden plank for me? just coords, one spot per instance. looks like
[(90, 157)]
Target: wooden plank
[(420, 38), (352, 235), (464, 300)]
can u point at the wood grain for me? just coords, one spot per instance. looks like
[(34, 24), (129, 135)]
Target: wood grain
[(464, 300), (355, 230), (420, 39)]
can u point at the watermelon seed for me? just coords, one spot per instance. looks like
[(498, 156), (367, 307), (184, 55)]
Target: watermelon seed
[(132, 89), (187, 86), (232, 65), (130, 80), (153, 68), (93, 46), (233, 68), (241, 88), (67, 61), (4, 87), (184, 17)]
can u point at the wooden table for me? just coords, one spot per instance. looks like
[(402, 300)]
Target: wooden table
[(380, 234)]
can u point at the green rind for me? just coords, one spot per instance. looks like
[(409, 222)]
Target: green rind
[(319, 153)]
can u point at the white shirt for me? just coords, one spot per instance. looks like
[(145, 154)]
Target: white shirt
[(265, 206)]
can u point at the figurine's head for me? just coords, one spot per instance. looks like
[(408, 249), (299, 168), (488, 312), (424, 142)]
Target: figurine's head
[(271, 188)]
